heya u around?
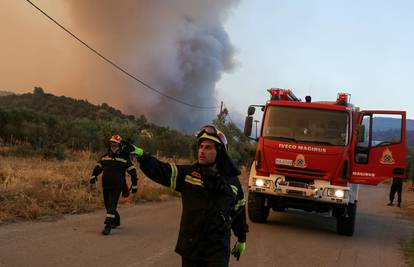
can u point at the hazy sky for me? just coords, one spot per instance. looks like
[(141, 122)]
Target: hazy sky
[(318, 48), (323, 47)]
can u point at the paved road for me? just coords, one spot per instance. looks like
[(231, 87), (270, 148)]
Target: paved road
[(148, 234)]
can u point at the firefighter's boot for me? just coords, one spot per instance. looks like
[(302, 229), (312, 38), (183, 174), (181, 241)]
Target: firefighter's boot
[(107, 229), (117, 221)]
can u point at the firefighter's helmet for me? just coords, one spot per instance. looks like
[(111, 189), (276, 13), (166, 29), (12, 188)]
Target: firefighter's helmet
[(116, 138), (212, 133), (224, 162)]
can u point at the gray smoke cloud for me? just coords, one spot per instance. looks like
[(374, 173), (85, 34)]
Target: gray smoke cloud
[(179, 47)]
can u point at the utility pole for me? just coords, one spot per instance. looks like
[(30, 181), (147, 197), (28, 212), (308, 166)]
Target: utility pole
[(256, 121)]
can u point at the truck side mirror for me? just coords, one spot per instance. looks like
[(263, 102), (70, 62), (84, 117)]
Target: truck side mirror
[(251, 111), (360, 133), (248, 125)]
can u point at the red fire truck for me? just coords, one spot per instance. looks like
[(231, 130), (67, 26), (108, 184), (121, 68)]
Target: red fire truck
[(313, 155)]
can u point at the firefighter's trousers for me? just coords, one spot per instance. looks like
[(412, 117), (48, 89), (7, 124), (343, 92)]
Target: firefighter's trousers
[(395, 188), (111, 198), (186, 262)]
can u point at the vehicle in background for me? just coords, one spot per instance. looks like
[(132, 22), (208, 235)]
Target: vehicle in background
[(313, 155)]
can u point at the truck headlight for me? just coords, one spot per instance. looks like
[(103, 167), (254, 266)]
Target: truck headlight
[(259, 182), (338, 193), (262, 182)]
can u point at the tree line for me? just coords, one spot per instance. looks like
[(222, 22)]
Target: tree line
[(43, 123)]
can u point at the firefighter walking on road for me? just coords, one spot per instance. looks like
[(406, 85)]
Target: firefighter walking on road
[(396, 187), (212, 200), (113, 165)]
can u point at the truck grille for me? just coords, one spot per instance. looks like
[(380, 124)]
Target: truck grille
[(295, 192), (298, 184), (292, 171)]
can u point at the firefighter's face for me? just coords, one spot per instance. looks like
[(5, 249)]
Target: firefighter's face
[(114, 147), (207, 152)]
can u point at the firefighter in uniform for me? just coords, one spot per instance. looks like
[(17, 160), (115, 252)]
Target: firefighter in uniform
[(213, 201), (113, 165), (396, 187)]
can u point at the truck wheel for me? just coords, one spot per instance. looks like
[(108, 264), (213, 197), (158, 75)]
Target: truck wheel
[(256, 208), (345, 225), (279, 208)]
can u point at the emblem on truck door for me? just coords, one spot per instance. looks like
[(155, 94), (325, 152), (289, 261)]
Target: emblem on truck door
[(300, 161), (387, 157)]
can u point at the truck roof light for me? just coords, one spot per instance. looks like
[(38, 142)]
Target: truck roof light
[(343, 99), (282, 94)]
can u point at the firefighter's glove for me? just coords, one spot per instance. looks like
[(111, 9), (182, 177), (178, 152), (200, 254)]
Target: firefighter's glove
[(125, 194), (93, 180), (134, 188), (137, 151), (125, 190), (238, 249), (212, 180)]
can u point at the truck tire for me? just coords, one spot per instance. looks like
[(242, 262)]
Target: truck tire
[(345, 225), (279, 208), (256, 208)]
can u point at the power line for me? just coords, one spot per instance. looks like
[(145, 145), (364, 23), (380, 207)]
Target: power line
[(116, 65)]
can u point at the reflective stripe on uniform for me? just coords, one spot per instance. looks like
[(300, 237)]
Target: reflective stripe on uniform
[(110, 215), (134, 187), (234, 188), (99, 165), (121, 160), (194, 181), (174, 173), (132, 167), (239, 204), (115, 159)]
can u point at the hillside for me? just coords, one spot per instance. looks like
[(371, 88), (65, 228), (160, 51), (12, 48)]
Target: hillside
[(388, 123), (4, 93), (41, 102), (46, 121), (50, 125)]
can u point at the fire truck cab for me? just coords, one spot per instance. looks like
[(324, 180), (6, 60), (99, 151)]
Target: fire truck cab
[(313, 155)]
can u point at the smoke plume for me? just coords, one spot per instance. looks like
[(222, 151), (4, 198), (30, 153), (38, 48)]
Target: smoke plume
[(177, 46)]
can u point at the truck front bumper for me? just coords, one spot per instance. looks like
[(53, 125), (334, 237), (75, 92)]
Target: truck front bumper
[(320, 191)]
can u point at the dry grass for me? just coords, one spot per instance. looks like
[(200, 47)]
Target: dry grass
[(408, 250), (407, 212), (34, 187), (244, 177)]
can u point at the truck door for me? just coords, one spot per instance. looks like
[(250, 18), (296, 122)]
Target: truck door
[(379, 149)]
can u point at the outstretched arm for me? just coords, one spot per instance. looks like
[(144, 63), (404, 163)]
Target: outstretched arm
[(167, 174)]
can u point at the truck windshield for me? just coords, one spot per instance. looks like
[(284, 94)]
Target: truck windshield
[(302, 125)]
